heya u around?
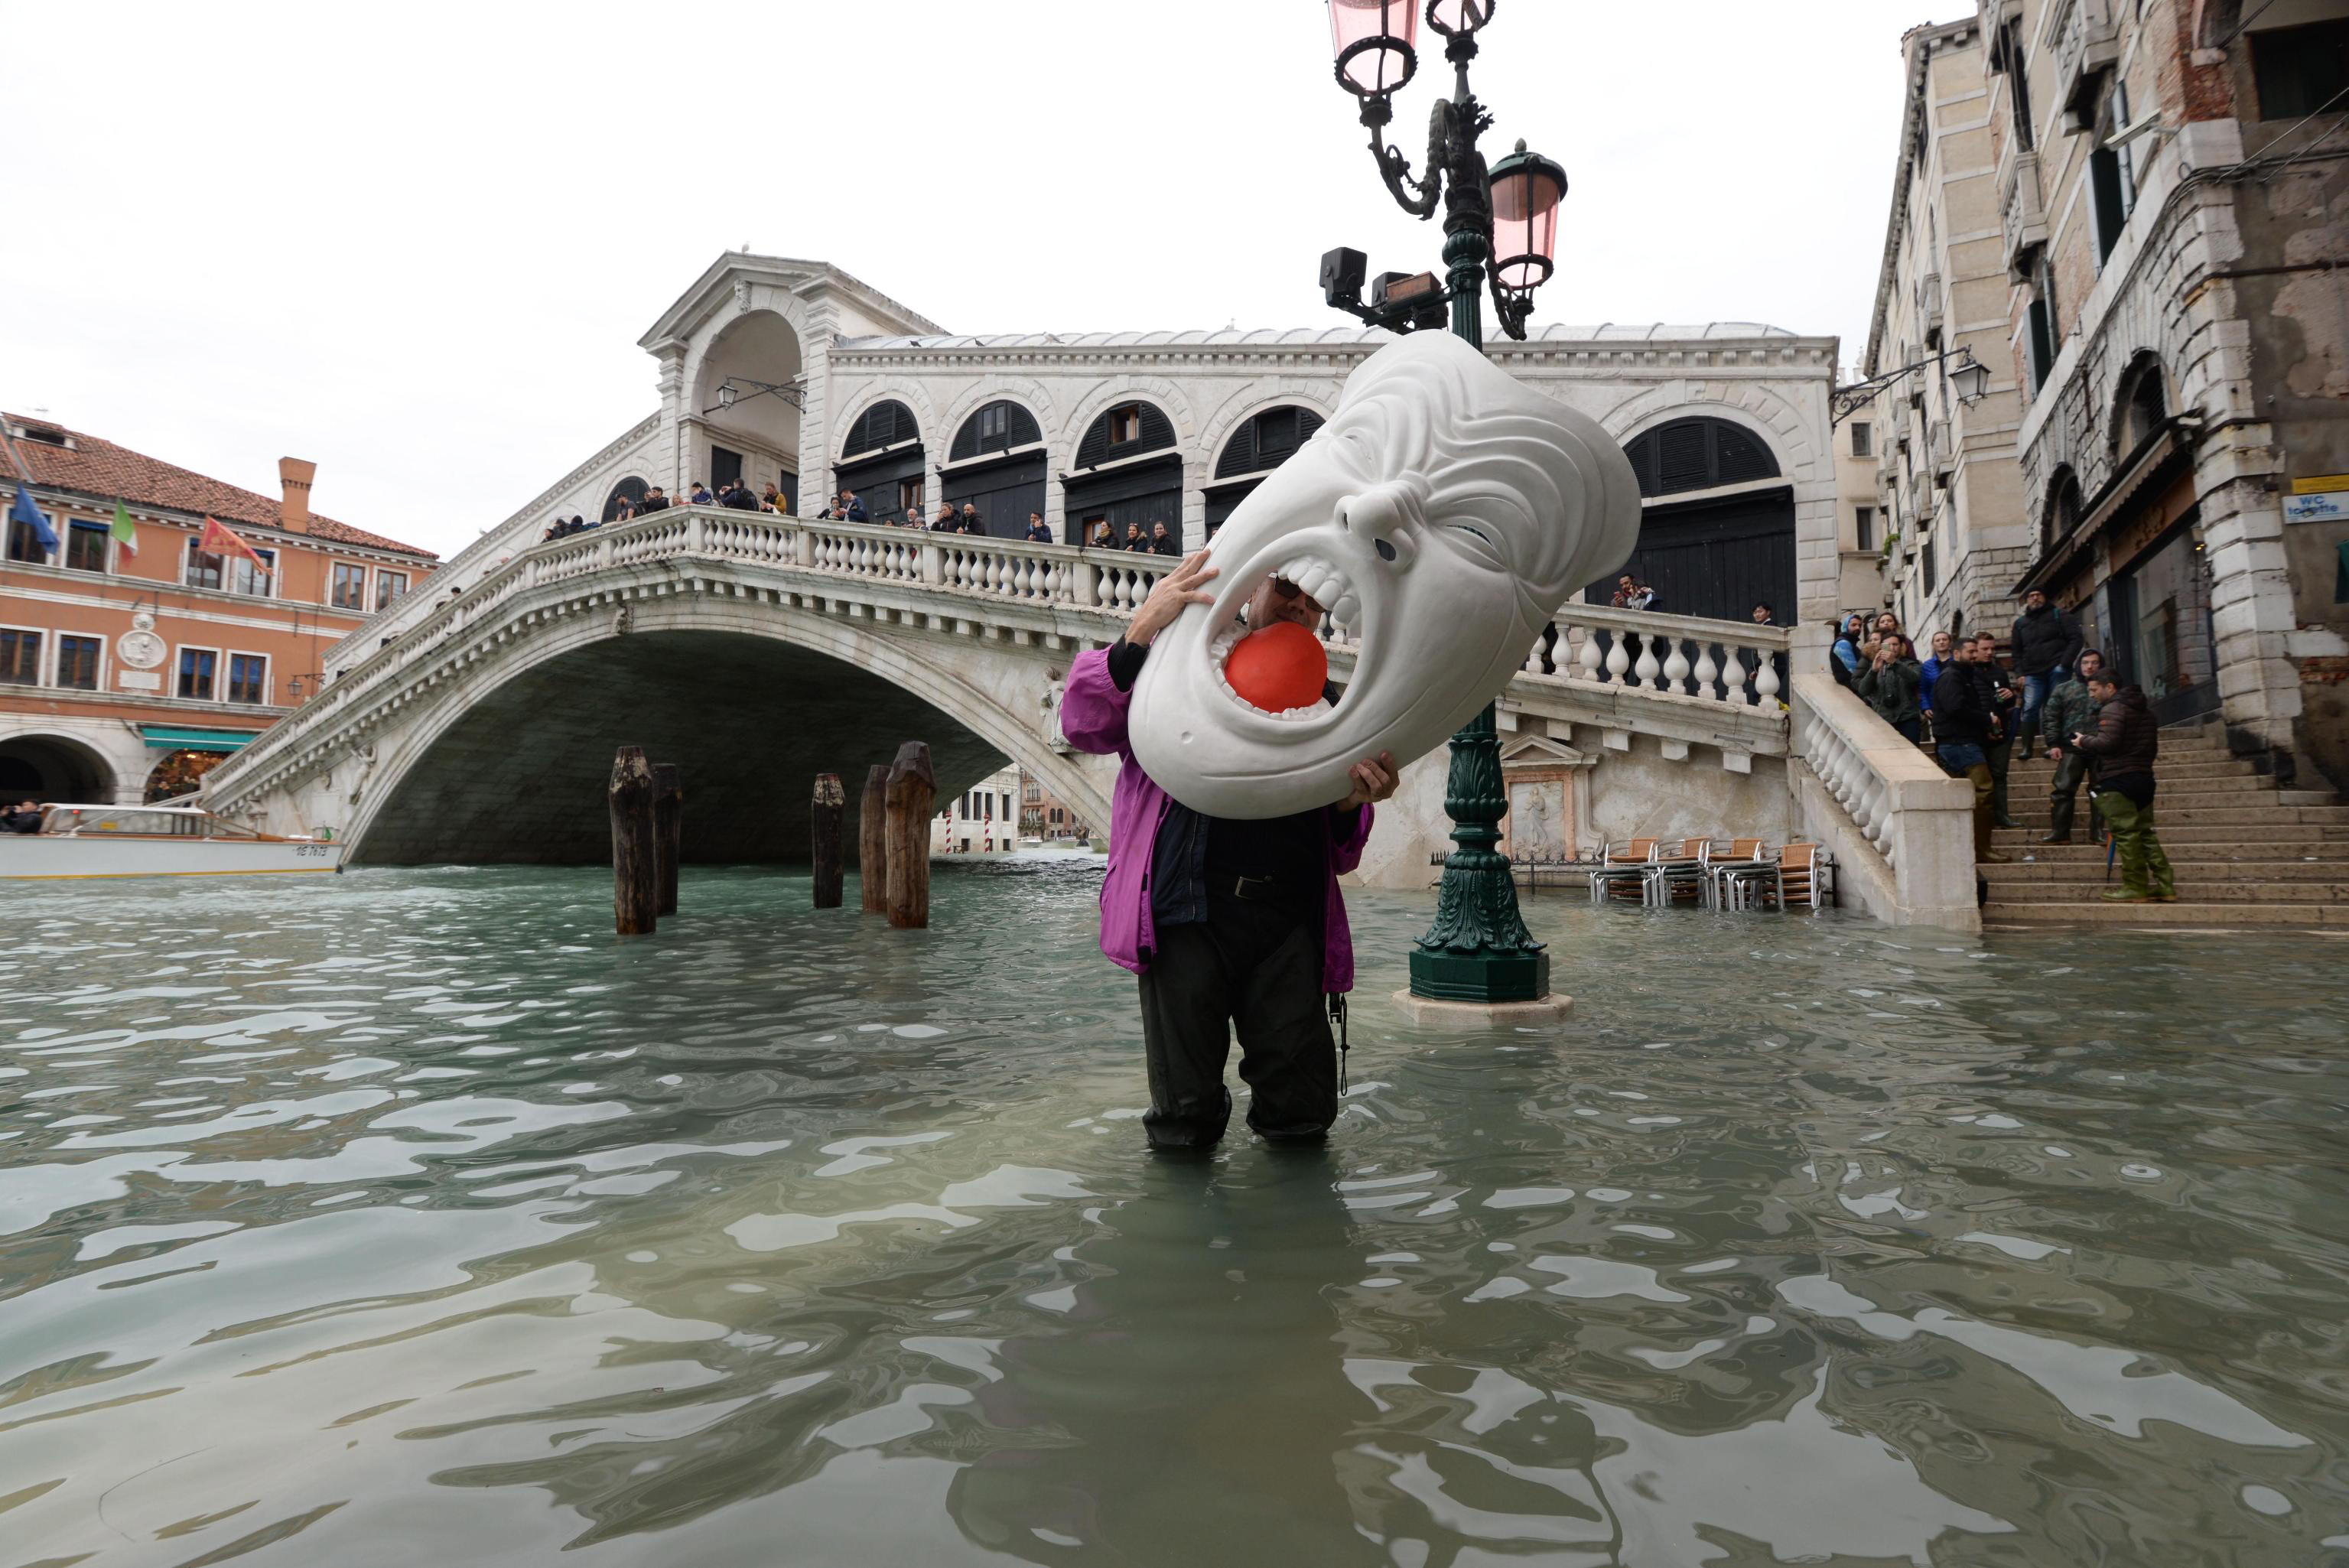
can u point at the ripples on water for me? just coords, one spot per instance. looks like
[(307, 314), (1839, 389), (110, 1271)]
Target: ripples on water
[(408, 1217)]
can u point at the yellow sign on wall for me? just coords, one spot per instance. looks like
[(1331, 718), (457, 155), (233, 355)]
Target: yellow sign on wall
[(2321, 484)]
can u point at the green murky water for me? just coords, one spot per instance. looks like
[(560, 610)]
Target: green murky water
[(407, 1217)]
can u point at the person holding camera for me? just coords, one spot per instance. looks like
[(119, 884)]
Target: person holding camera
[(2124, 744), (1889, 683), (2070, 710)]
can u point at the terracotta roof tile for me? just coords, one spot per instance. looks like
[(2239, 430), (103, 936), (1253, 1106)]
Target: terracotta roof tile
[(96, 466)]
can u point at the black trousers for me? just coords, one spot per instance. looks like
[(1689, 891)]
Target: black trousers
[(1258, 966)]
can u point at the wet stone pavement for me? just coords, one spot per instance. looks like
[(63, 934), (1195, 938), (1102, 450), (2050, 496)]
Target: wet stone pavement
[(408, 1217)]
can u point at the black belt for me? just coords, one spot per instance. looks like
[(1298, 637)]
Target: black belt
[(1247, 887)]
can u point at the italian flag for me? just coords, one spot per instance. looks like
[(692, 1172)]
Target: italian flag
[(125, 532)]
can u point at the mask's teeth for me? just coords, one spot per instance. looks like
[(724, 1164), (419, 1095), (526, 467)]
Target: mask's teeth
[(1344, 611)]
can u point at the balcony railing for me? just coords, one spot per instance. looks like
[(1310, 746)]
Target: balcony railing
[(2022, 214), (2086, 44), (1670, 658)]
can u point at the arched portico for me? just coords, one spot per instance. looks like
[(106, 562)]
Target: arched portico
[(50, 765), (744, 425), (1717, 527), (751, 701)]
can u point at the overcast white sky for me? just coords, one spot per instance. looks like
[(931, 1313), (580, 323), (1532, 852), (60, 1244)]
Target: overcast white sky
[(417, 243)]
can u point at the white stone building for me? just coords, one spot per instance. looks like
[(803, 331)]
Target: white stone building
[(795, 373), (2132, 212), (981, 819), (1948, 515)]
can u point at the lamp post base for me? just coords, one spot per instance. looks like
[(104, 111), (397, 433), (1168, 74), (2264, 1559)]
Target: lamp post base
[(1430, 1013)]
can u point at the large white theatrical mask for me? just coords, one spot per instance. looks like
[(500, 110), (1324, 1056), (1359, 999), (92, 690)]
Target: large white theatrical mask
[(1441, 516)]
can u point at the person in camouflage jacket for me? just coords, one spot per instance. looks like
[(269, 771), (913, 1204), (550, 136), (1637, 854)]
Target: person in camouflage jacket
[(2070, 710)]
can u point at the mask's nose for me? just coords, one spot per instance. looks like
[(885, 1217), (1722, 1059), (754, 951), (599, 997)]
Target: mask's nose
[(1387, 516)]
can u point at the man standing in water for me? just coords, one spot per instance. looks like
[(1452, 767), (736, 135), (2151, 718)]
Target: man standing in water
[(1226, 921)]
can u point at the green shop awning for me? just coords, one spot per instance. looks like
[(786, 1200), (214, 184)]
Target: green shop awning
[(170, 737)]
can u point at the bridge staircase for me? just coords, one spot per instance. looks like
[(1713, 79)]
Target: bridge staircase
[(2247, 854)]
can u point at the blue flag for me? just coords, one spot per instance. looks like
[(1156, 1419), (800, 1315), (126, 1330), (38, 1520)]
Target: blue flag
[(25, 513)]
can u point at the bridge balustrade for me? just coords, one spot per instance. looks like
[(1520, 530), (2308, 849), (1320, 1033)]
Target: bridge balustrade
[(1677, 661)]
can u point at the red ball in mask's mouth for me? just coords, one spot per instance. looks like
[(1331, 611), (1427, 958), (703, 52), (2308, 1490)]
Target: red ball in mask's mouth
[(1279, 668)]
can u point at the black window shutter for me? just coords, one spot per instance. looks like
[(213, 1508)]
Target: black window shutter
[(1681, 456)]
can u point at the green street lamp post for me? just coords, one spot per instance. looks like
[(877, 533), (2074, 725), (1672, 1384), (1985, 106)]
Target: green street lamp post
[(1500, 230)]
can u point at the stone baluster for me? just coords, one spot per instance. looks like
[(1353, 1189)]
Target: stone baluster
[(1765, 679), (1706, 670), (1647, 667), (1583, 661), (1676, 669), (1619, 658)]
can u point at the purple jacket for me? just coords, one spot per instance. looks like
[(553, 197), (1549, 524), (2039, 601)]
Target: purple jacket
[(1093, 716)]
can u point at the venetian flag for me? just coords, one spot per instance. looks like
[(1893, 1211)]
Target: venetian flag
[(25, 513), (125, 532), (219, 539)]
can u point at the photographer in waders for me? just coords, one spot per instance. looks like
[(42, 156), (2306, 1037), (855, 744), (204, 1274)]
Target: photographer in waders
[(1228, 923)]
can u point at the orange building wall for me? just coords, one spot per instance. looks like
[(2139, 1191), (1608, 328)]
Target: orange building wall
[(294, 627)]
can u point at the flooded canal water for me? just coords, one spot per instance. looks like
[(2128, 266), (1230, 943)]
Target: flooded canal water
[(408, 1217)]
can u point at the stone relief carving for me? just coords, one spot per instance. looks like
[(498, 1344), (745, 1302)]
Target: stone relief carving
[(1442, 515)]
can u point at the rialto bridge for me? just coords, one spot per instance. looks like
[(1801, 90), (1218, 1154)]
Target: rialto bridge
[(475, 720), (756, 650)]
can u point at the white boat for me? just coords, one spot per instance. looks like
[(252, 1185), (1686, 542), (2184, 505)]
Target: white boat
[(155, 842)]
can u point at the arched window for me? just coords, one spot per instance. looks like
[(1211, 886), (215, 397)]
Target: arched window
[(1127, 430), (2142, 407), (883, 425), (881, 462), (2063, 512), (1708, 545), (1266, 441), (999, 427), (630, 489), (1124, 494), (1698, 453), (1259, 446)]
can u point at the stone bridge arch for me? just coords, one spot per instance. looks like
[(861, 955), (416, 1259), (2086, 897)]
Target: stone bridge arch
[(749, 696)]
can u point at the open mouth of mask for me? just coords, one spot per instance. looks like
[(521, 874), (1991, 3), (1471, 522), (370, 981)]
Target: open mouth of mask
[(1320, 581)]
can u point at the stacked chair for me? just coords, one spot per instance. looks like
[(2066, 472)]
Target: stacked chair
[(1734, 873)]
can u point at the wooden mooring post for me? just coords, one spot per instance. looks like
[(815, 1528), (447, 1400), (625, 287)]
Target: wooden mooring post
[(668, 830), (636, 891), (913, 788), (824, 814), (873, 840)]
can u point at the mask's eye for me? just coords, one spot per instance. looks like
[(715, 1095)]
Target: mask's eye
[(1479, 542)]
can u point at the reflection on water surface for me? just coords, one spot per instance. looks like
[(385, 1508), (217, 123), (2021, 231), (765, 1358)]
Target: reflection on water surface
[(409, 1217)]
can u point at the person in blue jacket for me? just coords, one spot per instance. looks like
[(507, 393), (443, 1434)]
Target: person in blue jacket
[(1930, 671)]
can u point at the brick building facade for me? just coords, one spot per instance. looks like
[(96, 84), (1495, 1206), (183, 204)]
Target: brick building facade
[(125, 671), (2169, 343)]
